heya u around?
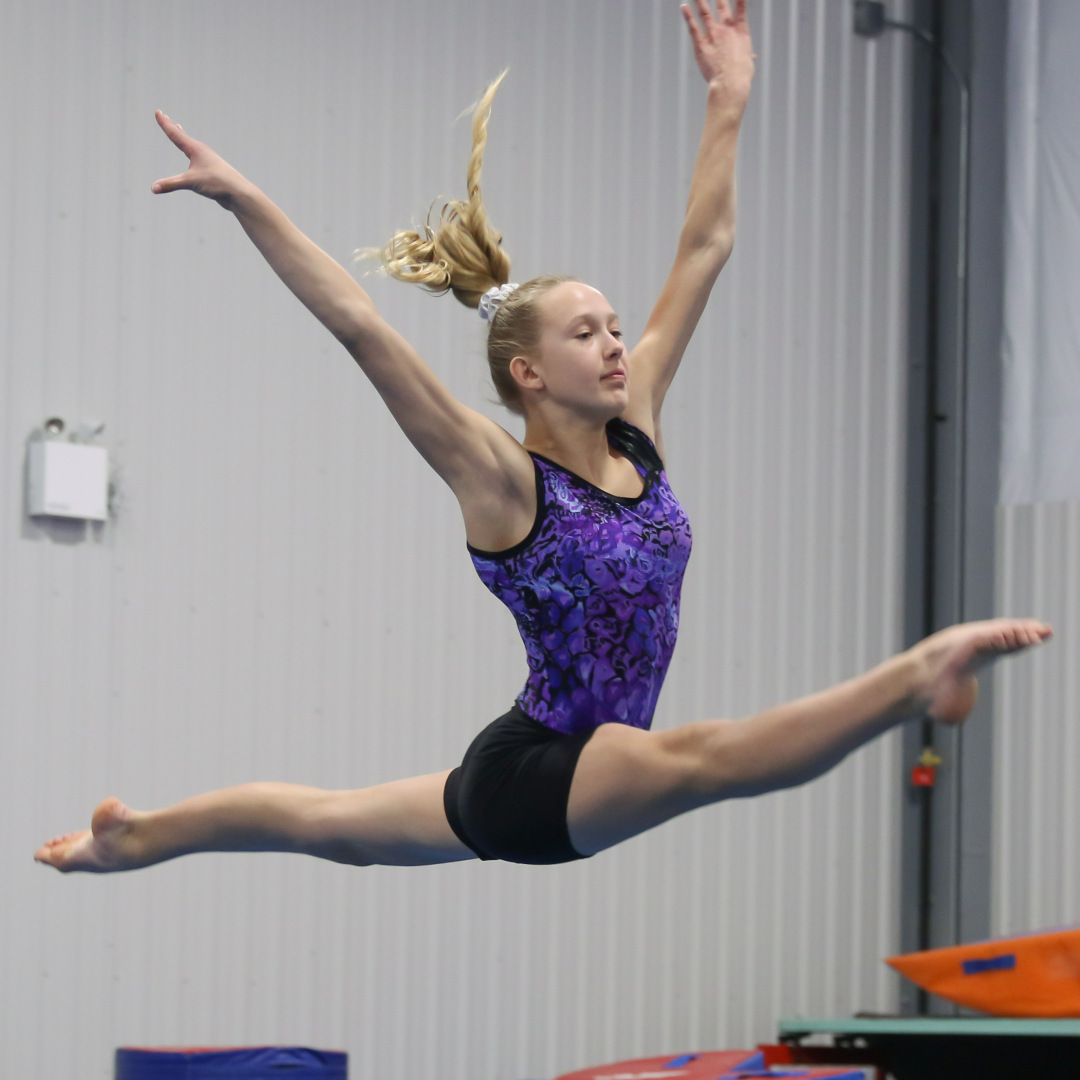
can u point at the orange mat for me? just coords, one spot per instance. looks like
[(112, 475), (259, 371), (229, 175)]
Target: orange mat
[(1034, 975)]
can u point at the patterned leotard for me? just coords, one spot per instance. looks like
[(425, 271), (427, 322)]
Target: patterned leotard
[(594, 588)]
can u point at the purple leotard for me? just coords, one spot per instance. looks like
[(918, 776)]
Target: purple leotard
[(594, 588)]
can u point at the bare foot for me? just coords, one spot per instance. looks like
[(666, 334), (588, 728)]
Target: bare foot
[(951, 658), (106, 846)]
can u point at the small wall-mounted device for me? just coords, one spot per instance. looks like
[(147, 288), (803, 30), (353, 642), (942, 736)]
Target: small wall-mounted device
[(67, 479)]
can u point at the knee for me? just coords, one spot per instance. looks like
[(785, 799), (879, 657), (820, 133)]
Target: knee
[(325, 830), (700, 753), (342, 850)]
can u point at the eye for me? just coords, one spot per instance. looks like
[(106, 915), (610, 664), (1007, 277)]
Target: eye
[(583, 335), (617, 334)]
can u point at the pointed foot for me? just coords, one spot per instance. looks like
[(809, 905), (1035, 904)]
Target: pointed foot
[(106, 846), (951, 659)]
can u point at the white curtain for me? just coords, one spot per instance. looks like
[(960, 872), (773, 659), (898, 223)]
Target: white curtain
[(1041, 342)]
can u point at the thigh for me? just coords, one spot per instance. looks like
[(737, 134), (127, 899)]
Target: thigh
[(401, 823), (628, 781)]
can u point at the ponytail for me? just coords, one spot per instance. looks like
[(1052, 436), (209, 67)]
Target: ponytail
[(461, 253)]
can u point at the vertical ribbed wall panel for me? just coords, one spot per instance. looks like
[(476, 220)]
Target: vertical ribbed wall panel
[(284, 592), (1037, 700)]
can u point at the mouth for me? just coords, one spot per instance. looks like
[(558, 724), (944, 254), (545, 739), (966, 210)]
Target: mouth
[(618, 375)]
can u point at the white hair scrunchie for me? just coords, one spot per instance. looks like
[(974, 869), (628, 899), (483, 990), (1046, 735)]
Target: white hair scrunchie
[(490, 301)]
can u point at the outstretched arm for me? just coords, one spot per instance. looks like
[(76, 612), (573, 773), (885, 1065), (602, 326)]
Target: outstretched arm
[(470, 452), (322, 285), (725, 57)]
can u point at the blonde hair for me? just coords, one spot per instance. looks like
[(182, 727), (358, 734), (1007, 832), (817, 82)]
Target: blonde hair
[(463, 254)]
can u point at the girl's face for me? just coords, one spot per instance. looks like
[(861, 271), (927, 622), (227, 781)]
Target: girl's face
[(580, 361)]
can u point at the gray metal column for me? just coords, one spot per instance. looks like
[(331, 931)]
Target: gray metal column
[(988, 32), (954, 421)]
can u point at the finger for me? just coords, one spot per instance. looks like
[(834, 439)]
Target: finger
[(171, 183), (176, 133), (692, 26), (705, 12), (740, 14), (723, 11)]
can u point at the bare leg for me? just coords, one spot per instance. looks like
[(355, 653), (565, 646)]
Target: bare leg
[(398, 824), (628, 780)]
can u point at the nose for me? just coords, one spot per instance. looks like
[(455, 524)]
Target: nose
[(615, 346)]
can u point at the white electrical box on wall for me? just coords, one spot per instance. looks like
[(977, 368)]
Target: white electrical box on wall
[(68, 480)]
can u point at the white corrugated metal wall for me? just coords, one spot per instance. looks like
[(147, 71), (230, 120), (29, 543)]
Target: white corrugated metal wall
[(284, 591), (1037, 747), (1037, 754)]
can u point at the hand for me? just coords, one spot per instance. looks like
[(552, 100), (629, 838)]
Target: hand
[(722, 46), (207, 173)]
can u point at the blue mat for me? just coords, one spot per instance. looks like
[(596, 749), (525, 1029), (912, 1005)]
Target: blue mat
[(250, 1062)]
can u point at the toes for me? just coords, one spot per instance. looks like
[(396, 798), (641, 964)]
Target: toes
[(1014, 635), (49, 853), (60, 851)]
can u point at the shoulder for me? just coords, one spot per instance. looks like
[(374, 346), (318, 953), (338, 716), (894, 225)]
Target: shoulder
[(499, 497)]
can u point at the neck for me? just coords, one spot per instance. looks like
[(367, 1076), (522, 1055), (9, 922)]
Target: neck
[(575, 442)]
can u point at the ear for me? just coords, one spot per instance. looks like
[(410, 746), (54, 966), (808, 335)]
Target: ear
[(525, 374)]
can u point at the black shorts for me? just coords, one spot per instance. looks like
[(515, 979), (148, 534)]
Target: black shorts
[(507, 799)]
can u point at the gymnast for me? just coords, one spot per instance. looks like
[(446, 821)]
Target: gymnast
[(574, 528)]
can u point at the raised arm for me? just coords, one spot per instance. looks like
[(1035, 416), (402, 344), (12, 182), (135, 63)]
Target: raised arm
[(469, 451), (725, 56)]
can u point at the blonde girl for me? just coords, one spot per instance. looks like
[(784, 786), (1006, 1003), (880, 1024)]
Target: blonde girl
[(575, 528)]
